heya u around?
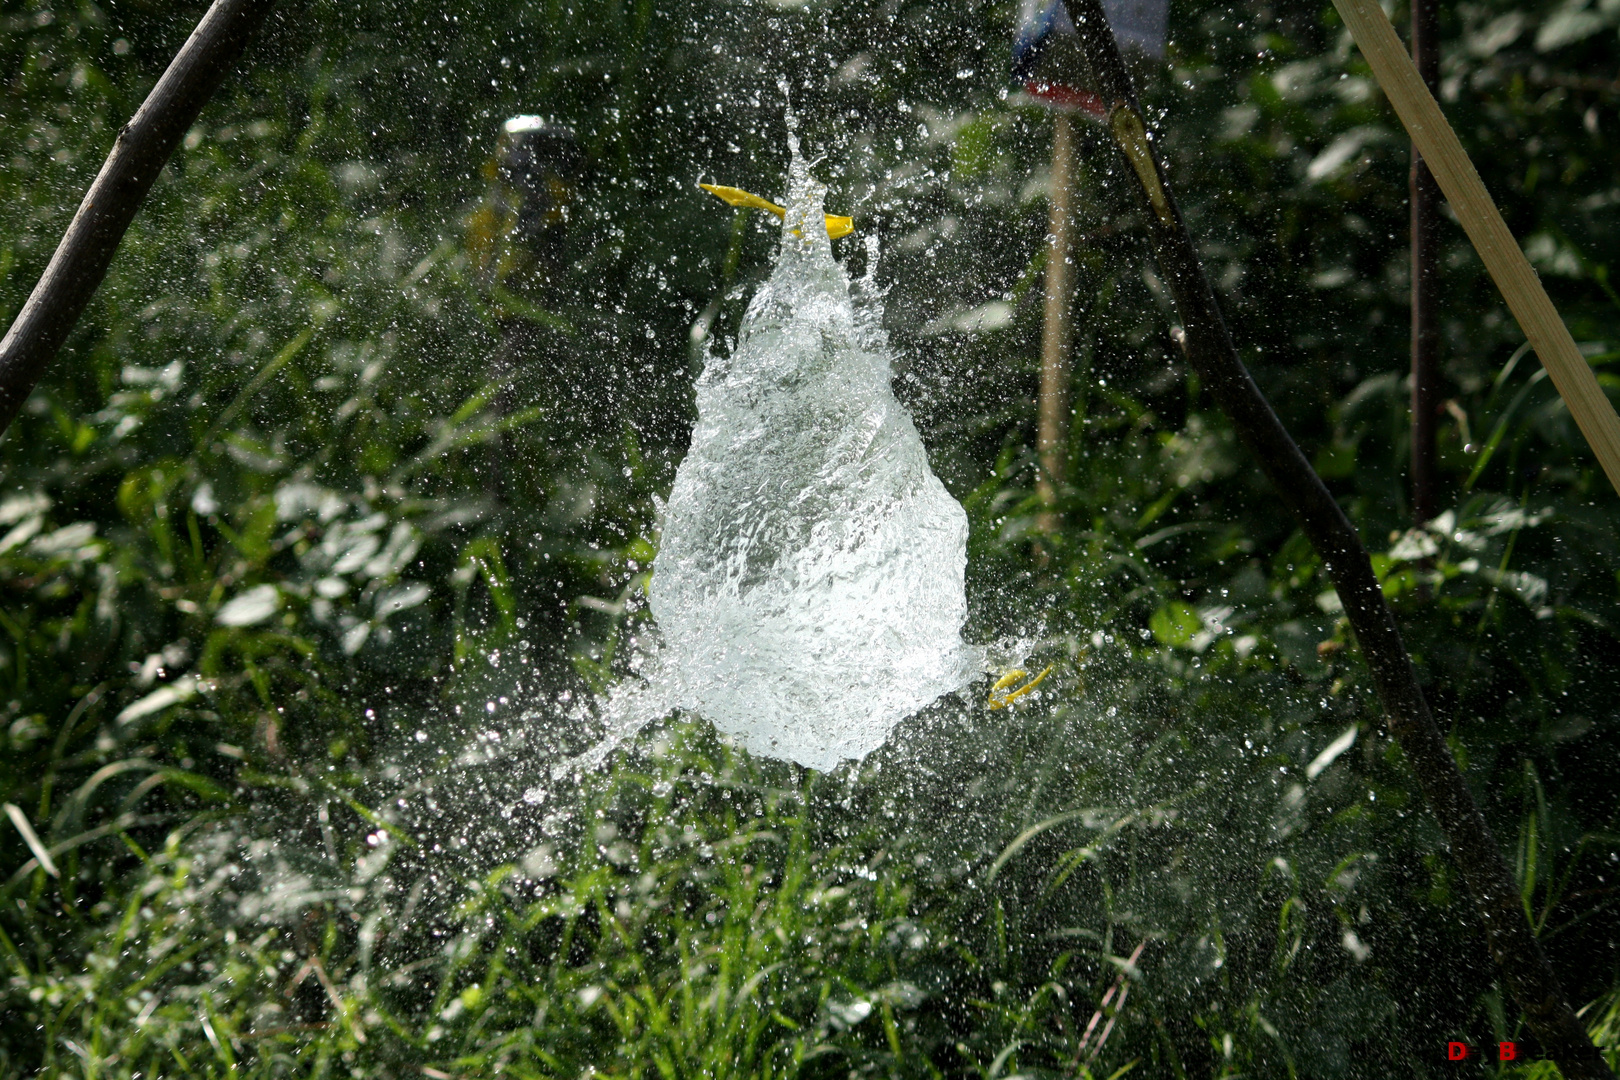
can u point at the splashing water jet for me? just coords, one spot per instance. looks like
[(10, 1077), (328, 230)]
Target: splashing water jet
[(809, 584)]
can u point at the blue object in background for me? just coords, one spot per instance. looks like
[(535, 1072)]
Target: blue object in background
[(1044, 28)]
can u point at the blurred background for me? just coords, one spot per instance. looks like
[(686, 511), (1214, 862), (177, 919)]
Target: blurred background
[(336, 511)]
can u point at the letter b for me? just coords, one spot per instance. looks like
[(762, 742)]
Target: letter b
[(1507, 1051), (1456, 1051)]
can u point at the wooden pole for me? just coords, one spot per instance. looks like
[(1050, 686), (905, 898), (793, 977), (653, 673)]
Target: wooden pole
[(1425, 207), (1057, 342), (139, 154), (1523, 966), (1500, 253)]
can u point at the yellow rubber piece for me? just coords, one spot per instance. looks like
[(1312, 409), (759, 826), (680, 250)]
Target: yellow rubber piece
[(836, 226), (999, 700)]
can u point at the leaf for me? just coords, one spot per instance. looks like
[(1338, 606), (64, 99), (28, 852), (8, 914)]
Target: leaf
[(1175, 624), (248, 608), (1567, 27), (1331, 753), (1336, 461), (182, 689), (31, 838), (407, 595)]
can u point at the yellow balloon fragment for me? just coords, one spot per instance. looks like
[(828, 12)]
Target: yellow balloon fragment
[(836, 226), (999, 700)]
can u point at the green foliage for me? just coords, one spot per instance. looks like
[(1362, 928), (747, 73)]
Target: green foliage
[(341, 500)]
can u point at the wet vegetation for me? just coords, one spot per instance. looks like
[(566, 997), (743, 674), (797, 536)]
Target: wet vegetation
[(339, 505)]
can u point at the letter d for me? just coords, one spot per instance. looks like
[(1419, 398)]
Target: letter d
[(1507, 1051), (1456, 1051)]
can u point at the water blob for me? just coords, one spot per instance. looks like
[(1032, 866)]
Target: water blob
[(808, 588)]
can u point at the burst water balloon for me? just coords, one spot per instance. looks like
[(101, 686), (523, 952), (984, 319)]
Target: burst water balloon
[(809, 583)]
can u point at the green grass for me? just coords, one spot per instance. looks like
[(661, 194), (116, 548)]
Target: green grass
[(692, 911)]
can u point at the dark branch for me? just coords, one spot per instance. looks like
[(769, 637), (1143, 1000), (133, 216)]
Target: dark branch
[(1425, 212), (1523, 966), (139, 154)]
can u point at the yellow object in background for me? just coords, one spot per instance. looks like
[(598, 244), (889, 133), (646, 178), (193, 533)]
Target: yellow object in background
[(1002, 696), (836, 226)]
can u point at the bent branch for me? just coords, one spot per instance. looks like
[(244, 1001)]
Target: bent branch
[(143, 147)]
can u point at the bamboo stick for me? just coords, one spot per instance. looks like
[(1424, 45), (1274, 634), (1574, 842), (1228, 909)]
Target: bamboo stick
[(1052, 434), (1466, 193)]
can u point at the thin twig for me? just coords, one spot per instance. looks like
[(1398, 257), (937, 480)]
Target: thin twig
[(1120, 987), (336, 998), (1482, 221), (1523, 966), (142, 149), (1425, 228)]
